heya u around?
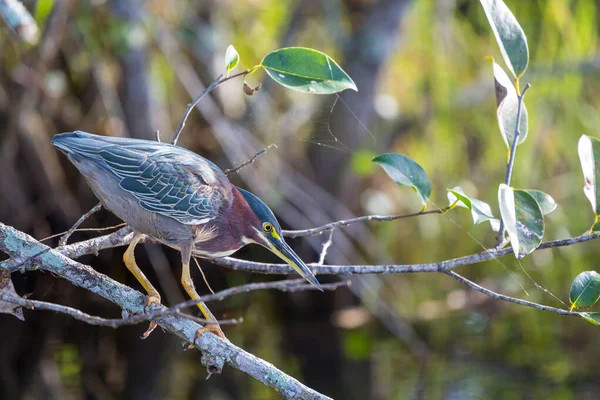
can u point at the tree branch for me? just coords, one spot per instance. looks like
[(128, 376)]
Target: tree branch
[(250, 161), (191, 106), (220, 79), (63, 240), (340, 224), (216, 352), (510, 299), (290, 285)]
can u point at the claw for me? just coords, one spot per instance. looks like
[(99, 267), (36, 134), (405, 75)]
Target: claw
[(212, 328), (150, 329), (150, 299)]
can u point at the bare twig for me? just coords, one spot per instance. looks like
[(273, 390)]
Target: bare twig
[(220, 80), (105, 228), (340, 224), (511, 160), (203, 276), (250, 161), (326, 246), (286, 285), (94, 320), (503, 297), (191, 106), (63, 240)]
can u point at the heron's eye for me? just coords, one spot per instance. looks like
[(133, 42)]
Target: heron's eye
[(267, 227)]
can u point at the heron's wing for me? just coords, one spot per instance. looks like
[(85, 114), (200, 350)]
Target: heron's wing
[(166, 182)]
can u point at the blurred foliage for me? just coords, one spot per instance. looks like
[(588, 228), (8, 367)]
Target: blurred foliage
[(434, 102)]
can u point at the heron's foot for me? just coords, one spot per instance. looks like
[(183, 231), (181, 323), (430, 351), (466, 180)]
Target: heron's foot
[(212, 328), (150, 299)]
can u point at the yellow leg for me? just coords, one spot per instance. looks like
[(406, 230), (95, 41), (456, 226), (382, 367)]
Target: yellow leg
[(153, 295), (129, 259), (188, 285)]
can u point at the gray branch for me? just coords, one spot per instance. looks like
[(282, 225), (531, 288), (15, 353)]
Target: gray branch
[(123, 236), (216, 352), (288, 285)]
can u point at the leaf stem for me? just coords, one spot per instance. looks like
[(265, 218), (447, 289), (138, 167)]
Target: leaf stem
[(513, 150)]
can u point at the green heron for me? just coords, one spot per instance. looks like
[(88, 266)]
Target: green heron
[(178, 198)]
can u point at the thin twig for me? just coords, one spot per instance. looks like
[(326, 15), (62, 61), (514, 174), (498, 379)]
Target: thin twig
[(290, 285), (220, 80), (250, 161), (203, 276), (326, 246), (106, 228), (63, 240), (503, 297), (339, 224), (511, 160), (191, 106), (99, 321), (251, 266)]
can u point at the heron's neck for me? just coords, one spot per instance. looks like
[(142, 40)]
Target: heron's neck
[(241, 217)]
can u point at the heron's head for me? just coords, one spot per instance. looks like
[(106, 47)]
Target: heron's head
[(267, 232)]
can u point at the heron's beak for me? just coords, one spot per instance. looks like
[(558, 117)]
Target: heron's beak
[(285, 252)]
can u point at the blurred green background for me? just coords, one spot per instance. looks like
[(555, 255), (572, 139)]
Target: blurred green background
[(425, 90)]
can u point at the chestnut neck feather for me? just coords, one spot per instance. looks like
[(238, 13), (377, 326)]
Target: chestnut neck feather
[(235, 222)]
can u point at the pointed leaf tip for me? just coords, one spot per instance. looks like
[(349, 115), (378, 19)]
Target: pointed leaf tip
[(406, 172), (507, 100), (232, 59), (480, 210), (509, 35), (585, 290), (307, 70)]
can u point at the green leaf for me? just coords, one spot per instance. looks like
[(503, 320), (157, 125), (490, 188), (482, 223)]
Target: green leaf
[(509, 35), (591, 317), (480, 210), (43, 8), (589, 157), (508, 107), (306, 70), (585, 290), (523, 219), (232, 59), (458, 196), (546, 202), (406, 172)]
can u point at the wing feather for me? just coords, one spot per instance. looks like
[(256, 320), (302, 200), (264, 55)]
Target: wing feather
[(163, 184)]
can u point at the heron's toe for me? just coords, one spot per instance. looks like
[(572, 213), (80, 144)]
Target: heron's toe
[(212, 328), (151, 299)]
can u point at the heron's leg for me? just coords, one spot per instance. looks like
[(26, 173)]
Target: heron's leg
[(188, 285), (129, 259)]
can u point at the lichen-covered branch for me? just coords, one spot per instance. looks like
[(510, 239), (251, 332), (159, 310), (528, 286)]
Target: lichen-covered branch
[(216, 352)]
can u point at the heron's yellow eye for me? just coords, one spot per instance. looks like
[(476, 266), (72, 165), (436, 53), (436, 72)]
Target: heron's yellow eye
[(267, 227)]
